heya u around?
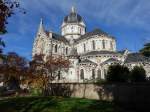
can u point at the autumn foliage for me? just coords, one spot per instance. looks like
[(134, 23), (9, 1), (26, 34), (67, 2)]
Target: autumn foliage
[(42, 72), (13, 68)]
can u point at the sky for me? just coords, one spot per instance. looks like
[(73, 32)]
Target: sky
[(127, 20)]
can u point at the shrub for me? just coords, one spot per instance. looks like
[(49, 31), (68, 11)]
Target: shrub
[(36, 91), (138, 74), (100, 81), (2, 90), (117, 73)]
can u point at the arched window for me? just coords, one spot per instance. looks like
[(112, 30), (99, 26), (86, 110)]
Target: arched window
[(59, 75), (103, 43), (93, 45), (105, 73), (66, 50), (80, 31), (93, 73), (84, 47), (111, 45), (82, 74), (99, 74), (55, 48)]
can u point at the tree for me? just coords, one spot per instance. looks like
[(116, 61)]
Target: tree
[(117, 73), (146, 50), (13, 69), (7, 9), (138, 74), (55, 65), (43, 72)]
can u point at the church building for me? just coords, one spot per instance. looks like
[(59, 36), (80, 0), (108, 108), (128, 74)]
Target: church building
[(90, 53)]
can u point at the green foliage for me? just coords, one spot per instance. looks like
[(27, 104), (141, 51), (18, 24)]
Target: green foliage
[(2, 90), (100, 81), (36, 91), (138, 74), (117, 73), (146, 50)]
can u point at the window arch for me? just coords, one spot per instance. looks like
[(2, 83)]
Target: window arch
[(84, 47), (103, 43), (66, 50), (93, 45), (111, 45), (82, 74), (105, 73), (93, 73), (99, 74), (56, 48), (80, 30), (59, 75)]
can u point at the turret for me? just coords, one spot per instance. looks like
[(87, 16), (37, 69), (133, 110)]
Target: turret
[(39, 42), (73, 25)]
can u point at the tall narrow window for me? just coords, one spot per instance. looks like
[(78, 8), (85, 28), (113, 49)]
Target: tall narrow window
[(111, 45), (72, 28), (99, 74), (80, 30), (93, 45), (59, 77), (93, 73), (84, 47), (103, 43), (55, 48), (105, 73), (66, 50), (81, 74)]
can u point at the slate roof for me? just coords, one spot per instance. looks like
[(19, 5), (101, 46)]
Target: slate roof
[(136, 57), (99, 52), (94, 32), (111, 60), (86, 61), (121, 52), (73, 18), (58, 37)]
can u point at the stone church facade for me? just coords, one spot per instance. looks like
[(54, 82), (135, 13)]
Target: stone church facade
[(90, 53)]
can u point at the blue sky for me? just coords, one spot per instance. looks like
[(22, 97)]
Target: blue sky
[(127, 20)]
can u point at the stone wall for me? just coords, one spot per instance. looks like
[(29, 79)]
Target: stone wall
[(127, 96), (83, 90), (119, 92)]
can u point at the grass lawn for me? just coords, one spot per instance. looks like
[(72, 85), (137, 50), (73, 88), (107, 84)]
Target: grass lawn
[(54, 104)]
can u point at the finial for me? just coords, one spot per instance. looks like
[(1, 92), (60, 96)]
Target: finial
[(41, 21), (73, 9)]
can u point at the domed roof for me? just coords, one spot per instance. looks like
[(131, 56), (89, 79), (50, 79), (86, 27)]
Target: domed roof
[(73, 17)]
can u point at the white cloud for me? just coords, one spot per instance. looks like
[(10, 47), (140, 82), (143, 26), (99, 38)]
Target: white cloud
[(134, 13), (125, 13)]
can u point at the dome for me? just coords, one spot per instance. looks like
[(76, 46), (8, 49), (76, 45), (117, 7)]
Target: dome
[(73, 17)]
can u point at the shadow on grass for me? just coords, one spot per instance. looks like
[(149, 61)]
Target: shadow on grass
[(55, 104), (95, 106), (27, 104)]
